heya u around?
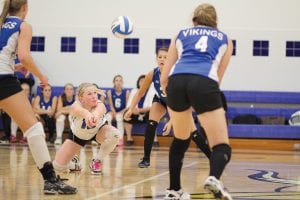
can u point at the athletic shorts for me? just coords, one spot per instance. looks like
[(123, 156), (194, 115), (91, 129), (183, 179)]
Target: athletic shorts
[(9, 85), (188, 90), (138, 119), (82, 142), (159, 100)]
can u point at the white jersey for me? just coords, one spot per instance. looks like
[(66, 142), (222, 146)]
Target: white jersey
[(8, 44), (80, 129)]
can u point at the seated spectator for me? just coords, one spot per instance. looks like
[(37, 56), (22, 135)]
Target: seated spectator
[(14, 125), (117, 98), (140, 112), (6, 120), (63, 109), (23, 75), (44, 107)]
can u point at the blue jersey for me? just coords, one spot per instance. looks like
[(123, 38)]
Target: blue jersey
[(65, 102), (119, 100), (200, 50), (45, 105), (8, 44), (157, 86)]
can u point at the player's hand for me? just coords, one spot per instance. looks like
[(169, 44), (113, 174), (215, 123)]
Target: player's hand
[(44, 81), (128, 114), (90, 120), (167, 128)]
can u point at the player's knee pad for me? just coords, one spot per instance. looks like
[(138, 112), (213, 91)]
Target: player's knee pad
[(224, 149), (61, 118), (113, 135), (35, 130), (60, 168)]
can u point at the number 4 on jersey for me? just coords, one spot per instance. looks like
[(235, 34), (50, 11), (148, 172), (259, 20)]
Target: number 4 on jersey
[(201, 45)]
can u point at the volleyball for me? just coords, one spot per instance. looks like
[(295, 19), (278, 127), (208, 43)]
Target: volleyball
[(122, 27)]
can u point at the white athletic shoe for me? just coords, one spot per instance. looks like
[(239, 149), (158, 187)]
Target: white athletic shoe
[(74, 164), (215, 187), (177, 195)]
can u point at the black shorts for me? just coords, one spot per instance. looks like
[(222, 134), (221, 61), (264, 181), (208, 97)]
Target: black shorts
[(186, 90), (9, 85), (159, 100), (138, 119)]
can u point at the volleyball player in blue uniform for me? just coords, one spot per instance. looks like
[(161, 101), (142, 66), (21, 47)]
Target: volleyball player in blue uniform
[(158, 110), (117, 98), (45, 106), (197, 60), (15, 38)]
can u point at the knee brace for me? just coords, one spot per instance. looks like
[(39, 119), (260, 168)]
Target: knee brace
[(59, 167), (119, 117), (224, 150), (61, 118), (35, 130), (112, 135)]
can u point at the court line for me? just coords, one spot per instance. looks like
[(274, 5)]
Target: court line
[(137, 183)]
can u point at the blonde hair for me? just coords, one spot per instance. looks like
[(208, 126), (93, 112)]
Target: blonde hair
[(82, 87), (11, 7), (206, 15)]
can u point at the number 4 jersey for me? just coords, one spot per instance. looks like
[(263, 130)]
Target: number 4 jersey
[(200, 50)]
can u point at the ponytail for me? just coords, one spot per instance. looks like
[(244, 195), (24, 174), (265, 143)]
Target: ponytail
[(4, 13)]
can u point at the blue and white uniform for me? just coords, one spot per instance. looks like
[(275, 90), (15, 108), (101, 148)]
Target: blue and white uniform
[(68, 103), (8, 44), (157, 86), (200, 50), (119, 100), (80, 129), (45, 105)]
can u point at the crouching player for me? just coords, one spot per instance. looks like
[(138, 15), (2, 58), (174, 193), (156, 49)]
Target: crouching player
[(88, 123)]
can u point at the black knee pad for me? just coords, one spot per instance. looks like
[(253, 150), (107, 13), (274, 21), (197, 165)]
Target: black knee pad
[(151, 126), (224, 149)]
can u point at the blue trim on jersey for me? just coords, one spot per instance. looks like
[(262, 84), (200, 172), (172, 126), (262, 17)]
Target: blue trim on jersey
[(142, 100), (156, 83), (68, 103), (119, 101), (200, 50), (10, 26)]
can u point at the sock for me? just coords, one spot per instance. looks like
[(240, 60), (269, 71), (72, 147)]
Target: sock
[(220, 156), (176, 155), (37, 144), (201, 141), (109, 144), (48, 172), (149, 138), (94, 151), (13, 128), (60, 125)]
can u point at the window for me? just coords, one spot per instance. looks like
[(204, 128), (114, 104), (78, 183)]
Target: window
[(99, 45), (292, 49), (131, 45), (234, 47), (260, 48), (68, 44), (162, 43), (38, 43)]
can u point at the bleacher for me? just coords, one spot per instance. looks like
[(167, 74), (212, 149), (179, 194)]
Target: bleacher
[(258, 103)]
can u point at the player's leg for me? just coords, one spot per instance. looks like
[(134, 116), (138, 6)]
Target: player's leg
[(60, 126), (157, 111), (36, 140)]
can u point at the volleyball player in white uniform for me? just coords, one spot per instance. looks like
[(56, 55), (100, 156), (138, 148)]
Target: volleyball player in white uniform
[(88, 123), (196, 62), (15, 38)]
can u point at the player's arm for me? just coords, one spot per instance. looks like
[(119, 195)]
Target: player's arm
[(172, 57), (53, 106), (36, 106), (225, 60), (23, 51), (111, 105)]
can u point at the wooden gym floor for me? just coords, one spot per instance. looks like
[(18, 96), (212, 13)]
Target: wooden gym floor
[(251, 175)]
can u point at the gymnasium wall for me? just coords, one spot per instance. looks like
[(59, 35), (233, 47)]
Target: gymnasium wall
[(274, 20)]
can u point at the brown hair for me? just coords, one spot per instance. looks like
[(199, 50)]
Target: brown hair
[(162, 49), (11, 7), (206, 15)]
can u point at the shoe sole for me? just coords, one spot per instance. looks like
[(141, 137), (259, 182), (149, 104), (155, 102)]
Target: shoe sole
[(96, 173), (216, 192), (69, 192), (50, 192)]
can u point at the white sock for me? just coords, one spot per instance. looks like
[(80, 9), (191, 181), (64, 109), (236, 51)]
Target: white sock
[(37, 144), (13, 128), (119, 119), (60, 125), (95, 151), (109, 144)]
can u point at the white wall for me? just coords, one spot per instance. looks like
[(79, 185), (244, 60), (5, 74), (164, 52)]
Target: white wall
[(244, 21)]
